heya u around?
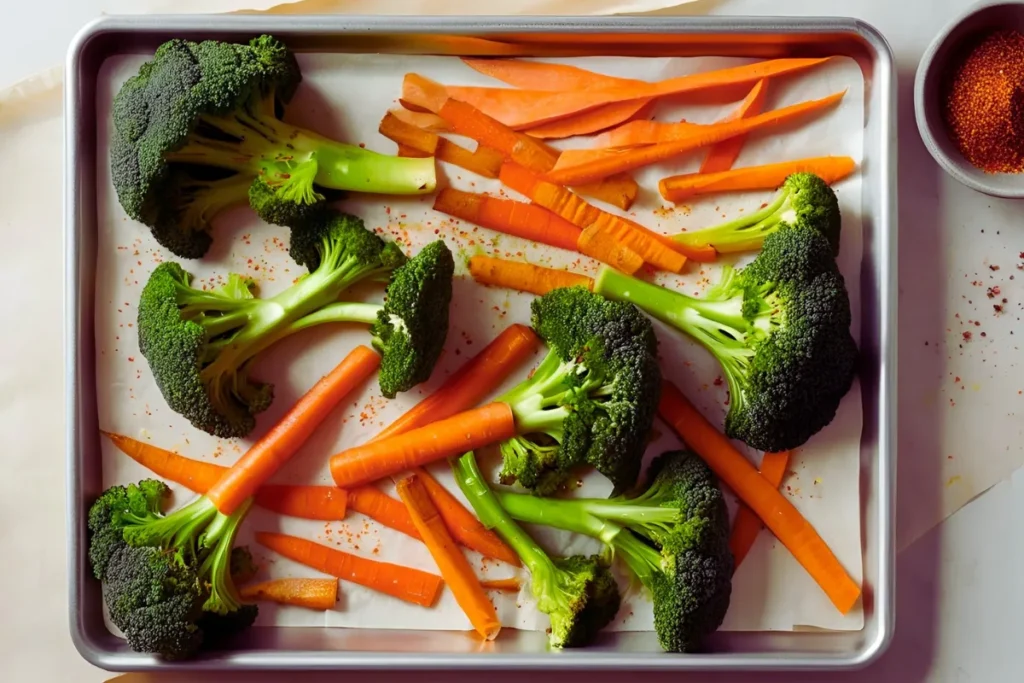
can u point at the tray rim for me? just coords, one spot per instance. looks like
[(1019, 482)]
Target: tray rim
[(883, 591)]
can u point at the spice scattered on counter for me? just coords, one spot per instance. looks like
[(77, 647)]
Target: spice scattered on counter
[(984, 102)]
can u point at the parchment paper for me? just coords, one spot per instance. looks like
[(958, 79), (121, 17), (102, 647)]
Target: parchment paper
[(345, 96)]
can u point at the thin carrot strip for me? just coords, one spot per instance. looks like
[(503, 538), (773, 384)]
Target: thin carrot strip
[(455, 569), (524, 109), (545, 75), (425, 120), (318, 594), (584, 166), (512, 585), (483, 161), (523, 277), (471, 383), (465, 528), (415, 141), (778, 514), (406, 134), (465, 431), (308, 502), (261, 461), (590, 121), (378, 506), (721, 156), (528, 221), (747, 525), (767, 177), (404, 583)]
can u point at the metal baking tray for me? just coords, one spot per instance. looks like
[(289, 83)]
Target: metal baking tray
[(338, 648)]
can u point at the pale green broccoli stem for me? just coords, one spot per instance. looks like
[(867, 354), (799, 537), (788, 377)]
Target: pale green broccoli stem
[(642, 559), (743, 233), (212, 197), (292, 159), (491, 514), (220, 535), (537, 403), (596, 517)]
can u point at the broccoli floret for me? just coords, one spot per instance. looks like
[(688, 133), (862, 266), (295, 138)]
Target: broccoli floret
[(200, 345), (673, 537), (803, 200), (780, 328), (592, 399), (199, 130), (168, 580), (578, 593)]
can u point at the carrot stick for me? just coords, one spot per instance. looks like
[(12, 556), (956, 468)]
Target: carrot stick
[(261, 461), (462, 432), (309, 502), (747, 525), (319, 594), (523, 277), (722, 156), (407, 151), (472, 382), (465, 528), (524, 109), (512, 585), (590, 121), (405, 583), (618, 190), (584, 166), (406, 134), (484, 161), (425, 120), (581, 214), (378, 506), (599, 245), (528, 221), (778, 514), (545, 75), (455, 569), (767, 177)]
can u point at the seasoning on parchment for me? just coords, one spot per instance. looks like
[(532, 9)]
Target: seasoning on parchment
[(984, 102)]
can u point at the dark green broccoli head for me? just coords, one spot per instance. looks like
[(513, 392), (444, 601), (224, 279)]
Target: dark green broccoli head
[(692, 595), (592, 400), (594, 601), (155, 601), (111, 511), (804, 201), (412, 326), (220, 629)]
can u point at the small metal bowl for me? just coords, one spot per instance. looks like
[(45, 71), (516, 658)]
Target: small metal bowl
[(982, 17)]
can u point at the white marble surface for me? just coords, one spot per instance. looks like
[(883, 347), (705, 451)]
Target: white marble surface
[(960, 596)]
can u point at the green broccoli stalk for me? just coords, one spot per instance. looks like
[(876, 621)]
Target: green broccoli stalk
[(201, 345), (592, 399), (673, 537), (169, 581), (780, 328), (578, 593), (199, 130), (803, 200)]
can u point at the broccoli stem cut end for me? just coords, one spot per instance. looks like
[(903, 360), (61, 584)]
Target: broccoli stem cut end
[(744, 233)]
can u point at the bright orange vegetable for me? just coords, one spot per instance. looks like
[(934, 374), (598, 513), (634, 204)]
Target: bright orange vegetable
[(778, 514), (598, 244), (261, 461), (462, 432), (767, 177), (747, 525), (425, 120), (590, 121), (319, 594), (722, 156), (523, 277), (525, 109), (528, 221), (512, 585), (455, 569), (407, 151), (405, 583), (370, 501), (658, 142), (410, 139), (407, 134)]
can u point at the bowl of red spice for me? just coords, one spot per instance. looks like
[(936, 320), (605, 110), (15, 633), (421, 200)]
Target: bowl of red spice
[(969, 98)]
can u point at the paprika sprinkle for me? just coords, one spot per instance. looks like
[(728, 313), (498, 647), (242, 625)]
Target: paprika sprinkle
[(983, 102)]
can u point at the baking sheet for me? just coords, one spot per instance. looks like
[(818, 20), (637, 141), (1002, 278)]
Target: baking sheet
[(771, 592)]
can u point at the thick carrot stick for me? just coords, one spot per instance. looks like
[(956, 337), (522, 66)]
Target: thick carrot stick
[(465, 528), (425, 120), (465, 431), (767, 177), (318, 594), (407, 134), (512, 585), (778, 514), (523, 277), (528, 221), (524, 109), (618, 190), (598, 244), (413, 141), (584, 166), (308, 502), (590, 121), (407, 151), (722, 156), (455, 569), (261, 461), (471, 383), (747, 525), (577, 211), (404, 583), (483, 161), (378, 506)]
